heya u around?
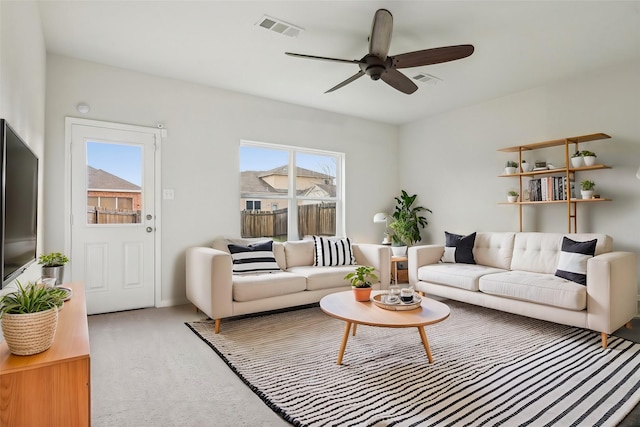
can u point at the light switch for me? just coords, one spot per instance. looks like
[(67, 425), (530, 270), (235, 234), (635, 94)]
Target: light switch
[(167, 194)]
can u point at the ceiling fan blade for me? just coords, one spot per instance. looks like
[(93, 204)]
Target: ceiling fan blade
[(323, 58), (432, 56), (346, 82), (399, 81), (380, 37)]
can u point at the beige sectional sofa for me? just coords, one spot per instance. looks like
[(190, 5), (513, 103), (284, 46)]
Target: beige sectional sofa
[(515, 272), (215, 290)]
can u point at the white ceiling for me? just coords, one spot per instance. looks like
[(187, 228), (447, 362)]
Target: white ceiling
[(518, 45)]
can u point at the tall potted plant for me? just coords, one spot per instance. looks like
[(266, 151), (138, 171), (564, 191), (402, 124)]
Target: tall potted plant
[(30, 317), (53, 265), (406, 222), (361, 281)]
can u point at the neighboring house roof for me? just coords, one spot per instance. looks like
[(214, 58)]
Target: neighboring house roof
[(302, 172), (104, 181), (250, 183), (324, 190)]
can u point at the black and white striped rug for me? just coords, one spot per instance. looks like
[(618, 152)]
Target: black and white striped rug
[(490, 368)]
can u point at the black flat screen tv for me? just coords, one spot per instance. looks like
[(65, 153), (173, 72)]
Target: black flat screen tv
[(19, 204)]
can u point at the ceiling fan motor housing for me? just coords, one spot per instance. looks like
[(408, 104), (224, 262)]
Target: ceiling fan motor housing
[(374, 66)]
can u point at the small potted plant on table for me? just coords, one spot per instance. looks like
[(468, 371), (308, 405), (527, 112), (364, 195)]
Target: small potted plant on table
[(30, 317), (361, 280), (53, 265)]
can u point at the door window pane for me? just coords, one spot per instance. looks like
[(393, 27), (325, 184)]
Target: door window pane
[(114, 177)]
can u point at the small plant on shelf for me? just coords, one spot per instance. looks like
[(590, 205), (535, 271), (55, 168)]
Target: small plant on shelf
[(587, 185), (577, 154), (513, 193), (587, 153), (511, 164), (589, 157), (511, 167), (512, 196), (577, 160)]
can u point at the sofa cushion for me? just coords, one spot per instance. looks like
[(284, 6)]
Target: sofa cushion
[(298, 253), (255, 258), (539, 252), (458, 248), (494, 249), (253, 287), (463, 276), (540, 288), (324, 277), (572, 263), (222, 244), (332, 251)]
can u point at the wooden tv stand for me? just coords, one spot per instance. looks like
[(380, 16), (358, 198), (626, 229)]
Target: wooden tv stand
[(51, 388)]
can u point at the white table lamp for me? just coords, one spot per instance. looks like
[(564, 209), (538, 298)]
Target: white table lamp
[(383, 217)]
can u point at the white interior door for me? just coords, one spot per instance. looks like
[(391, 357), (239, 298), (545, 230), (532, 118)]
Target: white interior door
[(113, 214)]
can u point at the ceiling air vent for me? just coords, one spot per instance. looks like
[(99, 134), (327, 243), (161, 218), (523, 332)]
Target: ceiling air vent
[(427, 78), (278, 26)]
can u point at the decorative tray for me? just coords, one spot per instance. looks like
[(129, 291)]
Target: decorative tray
[(398, 306), (68, 291)]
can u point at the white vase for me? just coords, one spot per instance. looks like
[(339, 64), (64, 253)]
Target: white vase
[(527, 167), (510, 171), (586, 194), (399, 250), (589, 160), (576, 162), (512, 199)]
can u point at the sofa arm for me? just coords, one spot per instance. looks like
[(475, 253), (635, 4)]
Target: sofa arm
[(612, 287), (209, 281), (378, 257), (422, 255)]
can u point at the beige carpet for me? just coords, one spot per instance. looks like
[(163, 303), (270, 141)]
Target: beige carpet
[(491, 368)]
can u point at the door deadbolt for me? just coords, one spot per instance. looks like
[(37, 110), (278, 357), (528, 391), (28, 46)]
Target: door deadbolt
[(149, 229), (149, 217)]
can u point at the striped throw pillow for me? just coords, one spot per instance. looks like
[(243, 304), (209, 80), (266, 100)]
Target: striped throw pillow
[(332, 251), (572, 263), (255, 258)]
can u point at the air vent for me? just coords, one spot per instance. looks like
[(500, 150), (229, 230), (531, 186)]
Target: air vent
[(427, 78), (278, 26)]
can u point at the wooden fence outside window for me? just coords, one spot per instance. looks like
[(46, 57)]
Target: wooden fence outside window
[(98, 215), (316, 219)]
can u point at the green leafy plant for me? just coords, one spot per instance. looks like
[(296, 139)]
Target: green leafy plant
[(407, 220), (53, 259), (513, 193), (587, 185), (32, 298), (361, 277), (577, 154), (512, 164), (587, 153)]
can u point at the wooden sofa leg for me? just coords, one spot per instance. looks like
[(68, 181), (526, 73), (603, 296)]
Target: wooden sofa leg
[(628, 325), (217, 327), (604, 339)]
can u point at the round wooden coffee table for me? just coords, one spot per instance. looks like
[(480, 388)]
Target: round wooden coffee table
[(343, 306)]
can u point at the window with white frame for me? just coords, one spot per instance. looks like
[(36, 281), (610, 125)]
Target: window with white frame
[(302, 186)]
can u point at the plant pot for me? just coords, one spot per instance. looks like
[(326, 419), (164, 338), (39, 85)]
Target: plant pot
[(589, 160), (512, 199), (399, 250), (362, 294), (526, 167), (510, 171), (56, 272), (577, 162), (587, 194), (29, 333)]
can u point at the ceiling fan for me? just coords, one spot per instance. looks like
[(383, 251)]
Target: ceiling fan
[(379, 65)]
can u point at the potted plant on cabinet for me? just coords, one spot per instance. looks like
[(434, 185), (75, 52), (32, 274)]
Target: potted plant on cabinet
[(53, 265), (30, 317), (587, 189), (406, 223), (511, 167), (512, 196), (589, 157), (577, 160), (361, 281)]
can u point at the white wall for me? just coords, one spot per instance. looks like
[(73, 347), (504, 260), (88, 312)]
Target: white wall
[(451, 161), (200, 154), (22, 86)]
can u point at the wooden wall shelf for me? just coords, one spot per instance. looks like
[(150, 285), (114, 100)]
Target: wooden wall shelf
[(568, 171)]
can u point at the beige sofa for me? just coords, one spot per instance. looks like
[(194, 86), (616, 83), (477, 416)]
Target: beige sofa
[(213, 289), (515, 273)]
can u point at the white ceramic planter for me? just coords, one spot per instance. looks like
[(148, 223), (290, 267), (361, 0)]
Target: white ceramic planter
[(589, 160), (586, 194), (577, 162), (399, 250), (510, 171), (527, 167), (512, 199)]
